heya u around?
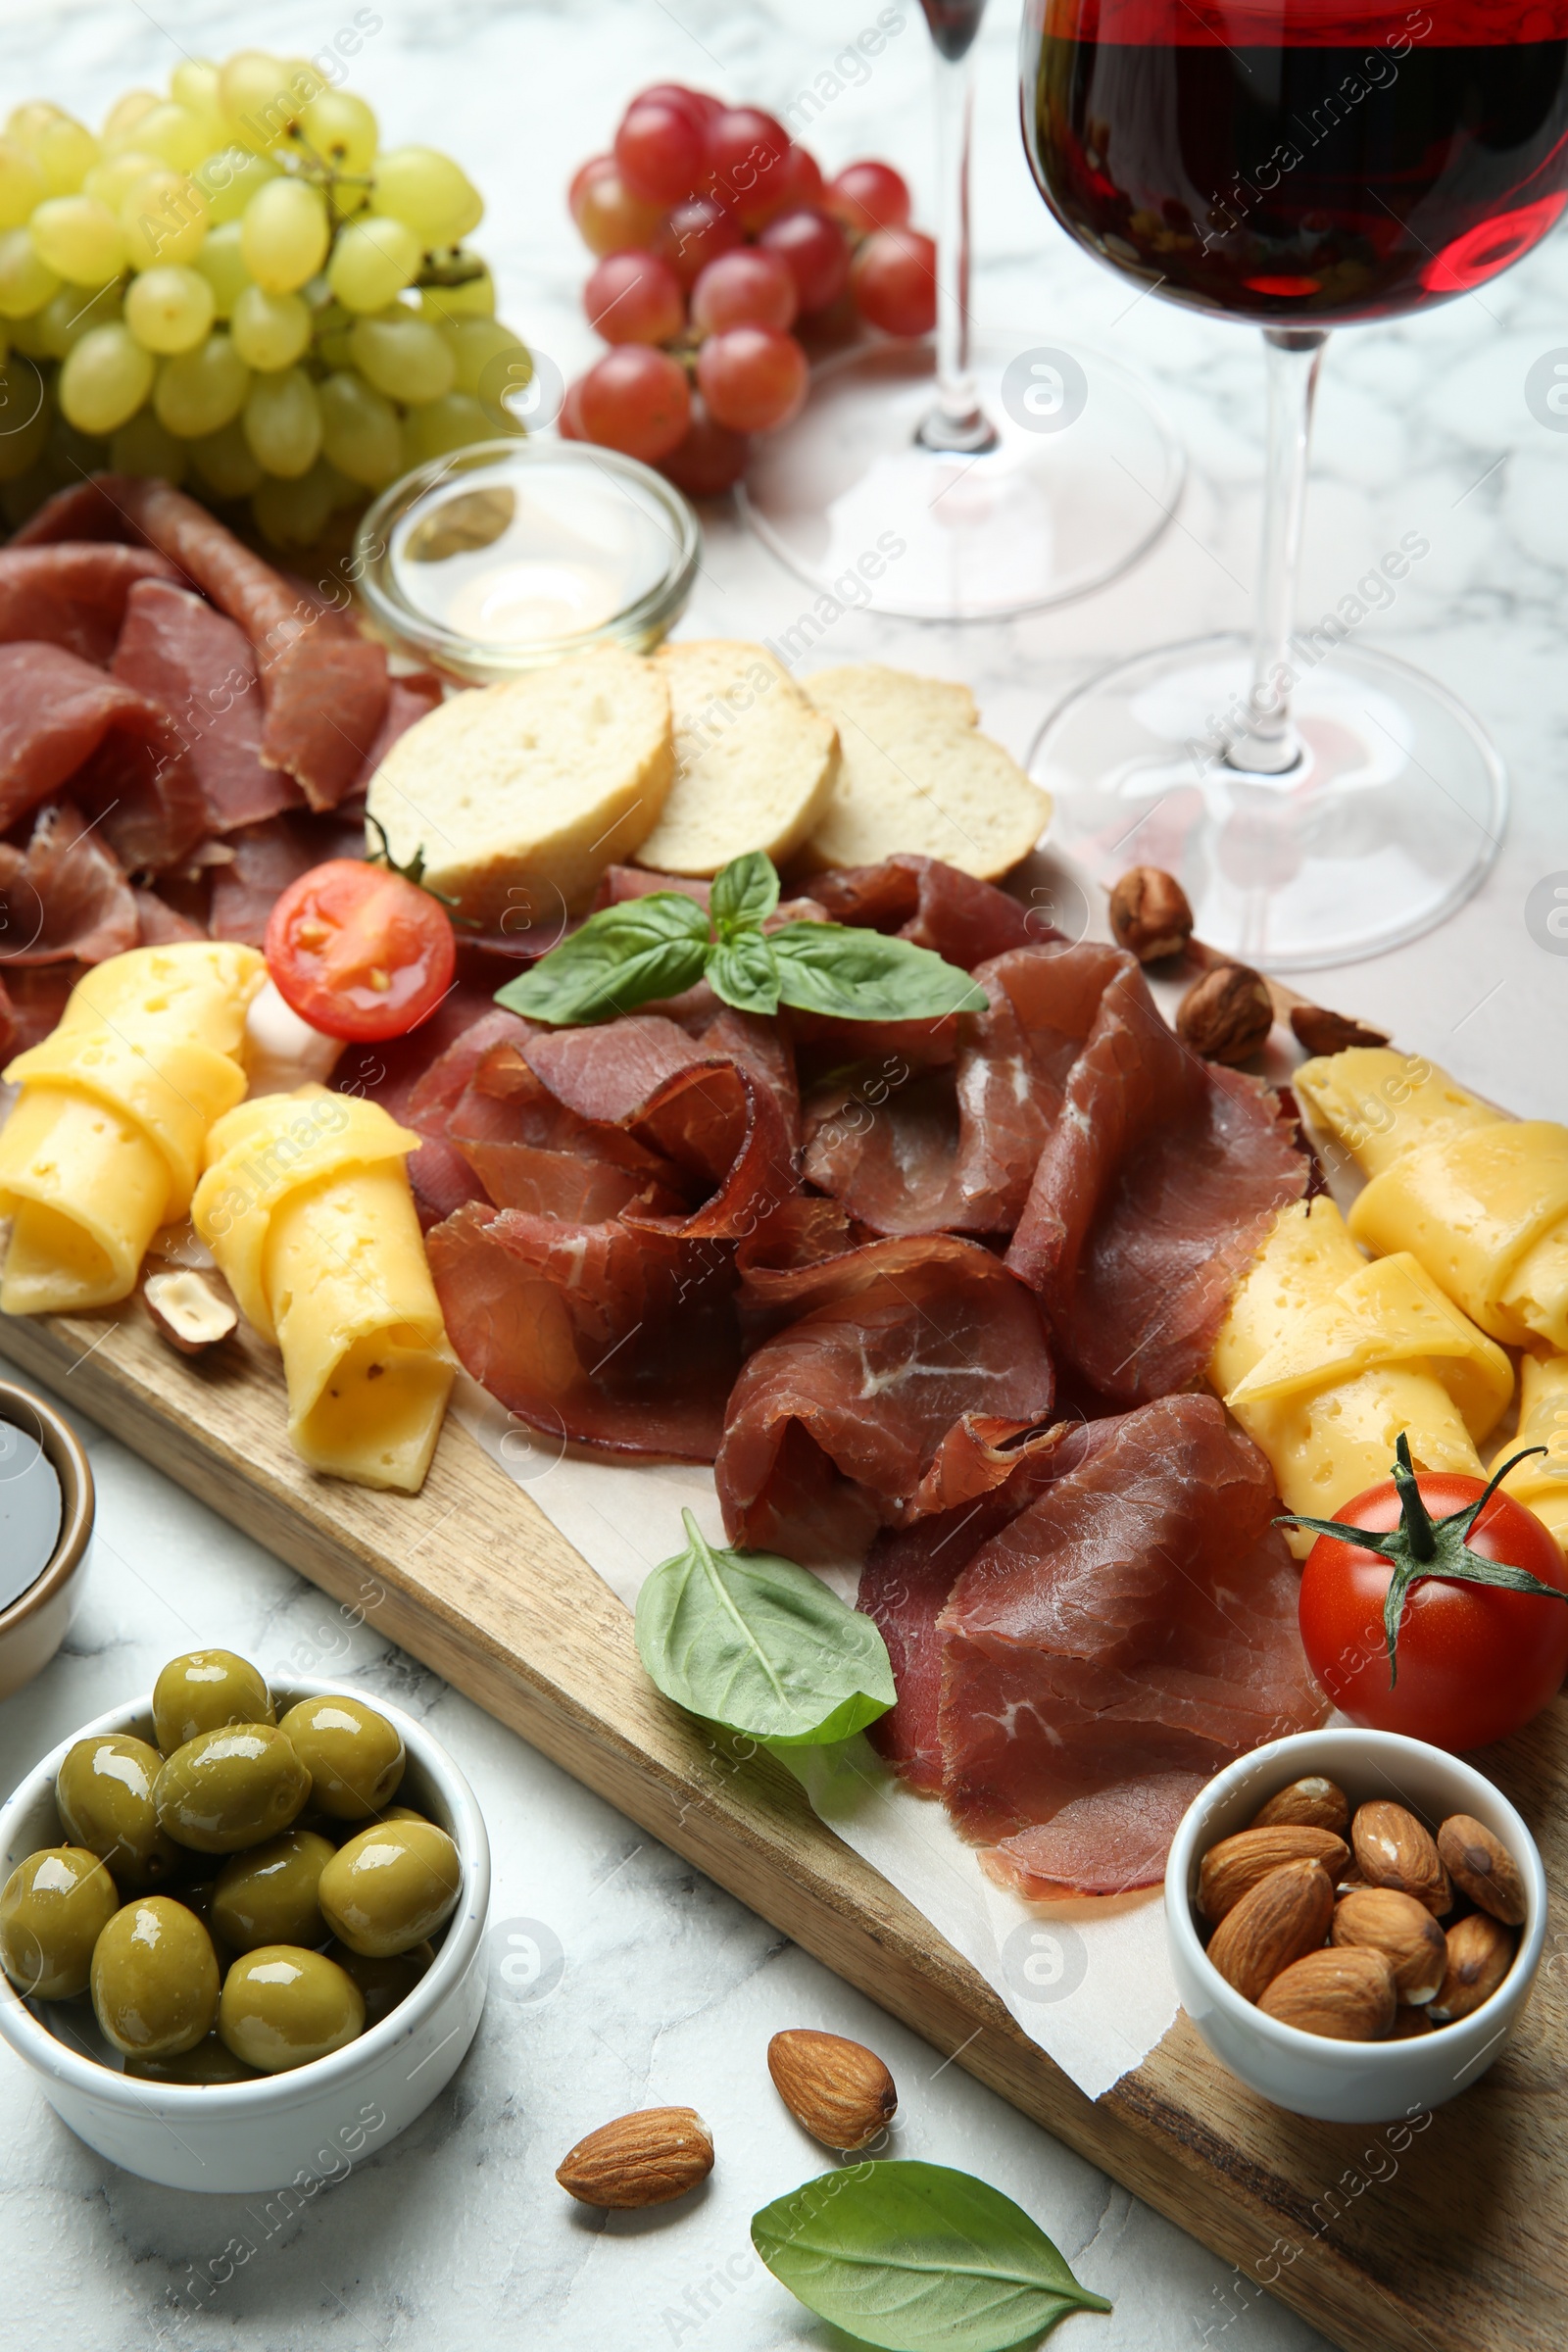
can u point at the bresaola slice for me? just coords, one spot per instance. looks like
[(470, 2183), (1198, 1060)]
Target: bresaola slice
[(178, 652), (592, 1333), (73, 595), (1151, 1190), (931, 903), (324, 687), (64, 899), (64, 724), (1124, 1636), (903, 1388)]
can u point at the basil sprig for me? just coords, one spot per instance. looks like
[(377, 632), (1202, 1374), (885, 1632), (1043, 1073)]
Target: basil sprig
[(917, 2258), (760, 1646), (656, 947)]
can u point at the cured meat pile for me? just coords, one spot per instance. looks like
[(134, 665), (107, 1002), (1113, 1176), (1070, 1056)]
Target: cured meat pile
[(931, 1297), (182, 730)]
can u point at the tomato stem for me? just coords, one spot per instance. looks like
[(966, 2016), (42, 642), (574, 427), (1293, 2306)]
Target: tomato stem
[(1414, 1517)]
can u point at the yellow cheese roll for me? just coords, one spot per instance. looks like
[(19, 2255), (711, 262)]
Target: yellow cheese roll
[(1541, 1482), (1482, 1200), (105, 1142), (1324, 1360), (306, 1207)]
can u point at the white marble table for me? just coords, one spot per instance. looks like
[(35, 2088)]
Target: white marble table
[(659, 1988)]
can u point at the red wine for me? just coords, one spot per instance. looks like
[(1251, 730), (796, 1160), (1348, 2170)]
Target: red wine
[(1313, 160), (954, 24)]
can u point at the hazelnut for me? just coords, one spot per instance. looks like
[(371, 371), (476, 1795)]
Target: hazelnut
[(1227, 1015), (188, 1310), (1149, 914), (1324, 1032)]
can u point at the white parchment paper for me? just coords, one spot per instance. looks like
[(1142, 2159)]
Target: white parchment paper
[(1087, 1980)]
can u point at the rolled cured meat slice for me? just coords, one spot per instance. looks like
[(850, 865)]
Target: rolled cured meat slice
[(306, 1208), (1324, 1360), (65, 898), (105, 1142), (64, 724), (962, 919), (1123, 1636), (907, 1388)]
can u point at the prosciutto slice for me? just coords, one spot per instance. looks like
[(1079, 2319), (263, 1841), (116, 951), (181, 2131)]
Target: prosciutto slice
[(64, 723), (180, 652), (1118, 1641), (912, 1371), (64, 899), (1152, 1189), (73, 595), (955, 1149), (592, 1331), (324, 687)]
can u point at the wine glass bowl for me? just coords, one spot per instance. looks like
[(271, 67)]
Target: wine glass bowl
[(1295, 168)]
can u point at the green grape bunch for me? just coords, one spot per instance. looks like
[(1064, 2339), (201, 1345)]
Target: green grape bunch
[(234, 287)]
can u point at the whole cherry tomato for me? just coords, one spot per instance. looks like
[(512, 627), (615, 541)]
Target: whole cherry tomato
[(1408, 1632), (359, 951)]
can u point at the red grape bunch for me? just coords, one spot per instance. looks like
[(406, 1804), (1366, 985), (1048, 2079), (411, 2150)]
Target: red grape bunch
[(716, 236)]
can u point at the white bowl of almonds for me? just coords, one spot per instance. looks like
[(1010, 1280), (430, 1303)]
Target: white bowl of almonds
[(1355, 1920)]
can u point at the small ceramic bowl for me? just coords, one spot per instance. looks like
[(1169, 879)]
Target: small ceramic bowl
[(33, 1626), (305, 2127), (1347, 2082)]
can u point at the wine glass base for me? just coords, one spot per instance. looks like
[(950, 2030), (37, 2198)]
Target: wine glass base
[(1084, 477), (1388, 822)]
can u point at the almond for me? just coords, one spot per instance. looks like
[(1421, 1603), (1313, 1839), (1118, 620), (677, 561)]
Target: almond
[(1233, 1867), (839, 2090), (1313, 1804), (1483, 1866), (642, 2159), (1395, 1850), (1283, 1916), (1345, 1995), (1479, 1955), (1381, 1920)]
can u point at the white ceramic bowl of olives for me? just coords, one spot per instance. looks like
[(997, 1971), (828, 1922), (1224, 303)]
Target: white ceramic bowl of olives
[(242, 1953)]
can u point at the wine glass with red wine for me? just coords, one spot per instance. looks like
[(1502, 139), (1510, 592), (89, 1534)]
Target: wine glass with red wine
[(1300, 164), (983, 475)]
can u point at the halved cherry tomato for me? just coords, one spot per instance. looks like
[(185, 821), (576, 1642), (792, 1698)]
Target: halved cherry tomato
[(360, 952), (1473, 1660)]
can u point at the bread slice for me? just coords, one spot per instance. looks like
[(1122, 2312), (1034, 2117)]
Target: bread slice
[(517, 792), (754, 761), (916, 774)]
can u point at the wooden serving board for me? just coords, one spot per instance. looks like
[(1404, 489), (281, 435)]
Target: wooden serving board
[(1452, 2233)]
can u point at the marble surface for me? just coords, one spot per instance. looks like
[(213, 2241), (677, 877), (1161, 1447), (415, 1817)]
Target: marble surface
[(654, 1986)]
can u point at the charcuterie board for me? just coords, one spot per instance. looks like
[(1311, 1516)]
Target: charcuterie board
[(1448, 2232)]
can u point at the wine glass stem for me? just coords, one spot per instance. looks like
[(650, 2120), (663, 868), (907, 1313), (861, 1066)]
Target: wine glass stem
[(955, 419), (1270, 745)]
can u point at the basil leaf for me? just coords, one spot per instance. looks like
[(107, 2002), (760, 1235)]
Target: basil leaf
[(743, 972), (753, 1642), (745, 893), (623, 956), (864, 977), (916, 2258)]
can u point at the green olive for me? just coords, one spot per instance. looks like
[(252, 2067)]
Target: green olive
[(283, 2006), (230, 1789), (268, 1895), (354, 1756), (154, 1979), (104, 1794), (202, 1692), (383, 1982), (208, 2062), (52, 1908), (390, 1887)]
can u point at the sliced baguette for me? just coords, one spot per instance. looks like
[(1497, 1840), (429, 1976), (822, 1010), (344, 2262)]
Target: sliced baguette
[(519, 791), (916, 774), (754, 760)]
